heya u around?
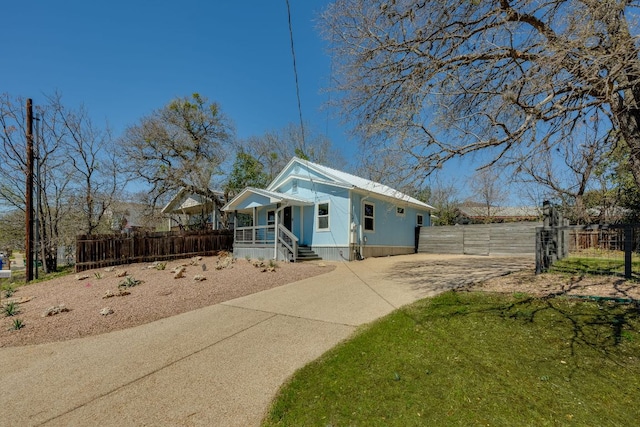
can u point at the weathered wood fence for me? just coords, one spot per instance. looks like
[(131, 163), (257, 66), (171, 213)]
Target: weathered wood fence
[(105, 250), (480, 239)]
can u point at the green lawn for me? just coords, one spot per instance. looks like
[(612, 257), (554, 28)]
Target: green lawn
[(471, 359), (610, 263)]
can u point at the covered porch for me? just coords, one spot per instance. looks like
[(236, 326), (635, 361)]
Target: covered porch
[(269, 225)]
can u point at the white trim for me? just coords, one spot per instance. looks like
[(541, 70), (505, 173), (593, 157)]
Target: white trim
[(364, 217), (328, 216)]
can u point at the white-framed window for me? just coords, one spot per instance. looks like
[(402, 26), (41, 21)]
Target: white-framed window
[(368, 212), (399, 211), (419, 220), (271, 217), (322, 214)]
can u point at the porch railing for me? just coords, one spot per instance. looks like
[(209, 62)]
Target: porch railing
[(265, 235), (288, 240), (259, 235)]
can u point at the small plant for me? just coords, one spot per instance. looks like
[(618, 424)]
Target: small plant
[(9, 290), (261, 258), (11, 309), (98, 275), (248, 258), (161, 266), (273, 264), (17, 324), (129, 282)]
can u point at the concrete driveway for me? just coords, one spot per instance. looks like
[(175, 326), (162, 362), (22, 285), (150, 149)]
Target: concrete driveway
[(223, 364)]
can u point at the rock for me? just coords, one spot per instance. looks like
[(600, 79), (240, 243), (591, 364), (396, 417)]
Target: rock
[(122, 292), (109, 269), (121, 273), (16, 300), (82, 276), (108, 294), (204, 267), (106, 311), (199, 278), (179, 272), (224, 263), (56, 309)]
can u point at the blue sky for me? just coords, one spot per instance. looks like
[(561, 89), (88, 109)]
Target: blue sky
[(123, 59)]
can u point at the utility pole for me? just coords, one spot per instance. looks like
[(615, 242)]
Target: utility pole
[(29, 195)]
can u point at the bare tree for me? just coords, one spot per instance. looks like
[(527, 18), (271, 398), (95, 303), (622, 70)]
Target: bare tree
[(435, 80), (570, 170), (98, 177), (489, 190), (54, 176), (275, 148), (182, 145)]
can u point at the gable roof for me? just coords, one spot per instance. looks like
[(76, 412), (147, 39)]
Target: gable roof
[(273, 196), (185, 199), (350, 181)]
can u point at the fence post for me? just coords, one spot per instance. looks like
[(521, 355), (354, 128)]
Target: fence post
[(628, 250)]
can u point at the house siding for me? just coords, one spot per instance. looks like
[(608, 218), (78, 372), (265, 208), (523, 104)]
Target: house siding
[(338, 199), (393, 234)]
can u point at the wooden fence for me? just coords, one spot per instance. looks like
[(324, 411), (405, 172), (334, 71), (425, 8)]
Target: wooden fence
[(480, 239), (105, 250)]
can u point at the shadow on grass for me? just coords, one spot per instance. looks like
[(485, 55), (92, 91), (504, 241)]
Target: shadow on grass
[(596, 323)]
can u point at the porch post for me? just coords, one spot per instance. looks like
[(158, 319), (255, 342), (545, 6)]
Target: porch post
[(276, 231)]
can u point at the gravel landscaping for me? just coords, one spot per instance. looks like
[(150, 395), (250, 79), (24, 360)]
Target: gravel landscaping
[(70, 307)]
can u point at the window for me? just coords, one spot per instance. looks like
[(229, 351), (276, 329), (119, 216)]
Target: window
[(419, 220), (399, 211), (323, 216), (368, 217), (271, 217)]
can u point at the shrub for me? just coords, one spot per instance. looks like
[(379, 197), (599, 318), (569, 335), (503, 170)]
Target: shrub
[(9, 290), (17, 324), (129, 282), (11, 308)]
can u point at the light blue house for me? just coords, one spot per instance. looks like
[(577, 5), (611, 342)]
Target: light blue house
[(310, 210)]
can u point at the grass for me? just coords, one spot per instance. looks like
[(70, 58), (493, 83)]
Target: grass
[(18, 277), (610, 264), (467, 359)]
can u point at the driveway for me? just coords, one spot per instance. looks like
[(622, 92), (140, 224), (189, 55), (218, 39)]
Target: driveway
[(220, 365)]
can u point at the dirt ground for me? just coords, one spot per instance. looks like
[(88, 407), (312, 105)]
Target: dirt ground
[(160, 295), (505, 274)]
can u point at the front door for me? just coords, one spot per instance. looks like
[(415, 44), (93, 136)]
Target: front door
[(286, 217)]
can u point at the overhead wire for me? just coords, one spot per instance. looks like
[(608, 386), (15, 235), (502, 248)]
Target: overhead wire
[(295, 73)]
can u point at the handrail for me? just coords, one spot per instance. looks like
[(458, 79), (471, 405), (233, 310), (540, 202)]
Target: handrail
[(283, 235)]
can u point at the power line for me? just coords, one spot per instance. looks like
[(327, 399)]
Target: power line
[(295, 73)]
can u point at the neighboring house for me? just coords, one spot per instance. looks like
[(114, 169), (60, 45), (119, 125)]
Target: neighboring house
[(471, 213), (129, 217), (188, 210), (330, 214)]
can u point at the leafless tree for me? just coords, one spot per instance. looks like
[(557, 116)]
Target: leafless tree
[(570, 170), (181, 145), (275, 148), (54, 177), (99, 178), (435, 80), (490, 191)]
